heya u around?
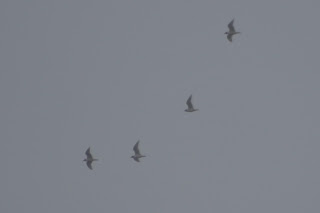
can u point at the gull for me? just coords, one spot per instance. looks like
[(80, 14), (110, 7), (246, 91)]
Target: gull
[(232, 31), (190, 106), (137, 154), (89, 158)]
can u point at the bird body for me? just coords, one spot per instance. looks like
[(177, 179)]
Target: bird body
[(190, 105), (89, 158), (231, 31), (137, 154)]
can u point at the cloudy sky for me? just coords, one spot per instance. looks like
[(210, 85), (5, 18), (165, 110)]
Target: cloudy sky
[(106, 73)]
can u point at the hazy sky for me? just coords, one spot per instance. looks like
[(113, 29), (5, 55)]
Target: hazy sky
[(105, 73)]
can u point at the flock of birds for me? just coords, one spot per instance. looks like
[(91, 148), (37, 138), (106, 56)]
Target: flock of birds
[(137, 155)]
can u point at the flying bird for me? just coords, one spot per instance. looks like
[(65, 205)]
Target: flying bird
[(190, 106), (137, 154), (89, 159), (232, 31)]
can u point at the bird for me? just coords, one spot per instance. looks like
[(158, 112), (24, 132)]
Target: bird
[(89, 159), (137, 154), (190, 106), (232, 31)]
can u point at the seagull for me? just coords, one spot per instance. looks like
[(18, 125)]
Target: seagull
[(89, 158), (137, 154), (190, 106), (232, 31)]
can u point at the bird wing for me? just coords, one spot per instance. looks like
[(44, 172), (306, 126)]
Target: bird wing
[(136, 159), (229, 37), (89, 164), (231, 27), (136, 148), (189, 103), (88, 153)]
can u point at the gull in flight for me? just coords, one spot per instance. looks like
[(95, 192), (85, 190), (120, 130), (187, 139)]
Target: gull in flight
[(190, 106), (232, 31), (89, 159), (137, 154)]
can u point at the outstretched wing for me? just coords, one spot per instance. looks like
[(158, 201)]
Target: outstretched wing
[(136, 159), (136, 149), (189, 103), (231, 27), (88, 153), (89, 164), (229, 37)]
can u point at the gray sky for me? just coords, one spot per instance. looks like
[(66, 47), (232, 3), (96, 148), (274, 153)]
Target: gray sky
[(104, 74)]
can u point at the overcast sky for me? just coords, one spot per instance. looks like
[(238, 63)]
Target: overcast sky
[(106, 73)]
